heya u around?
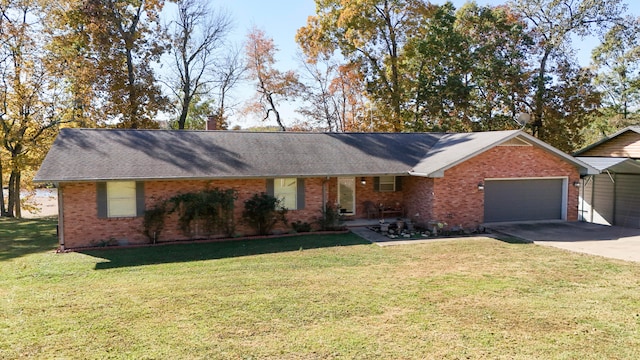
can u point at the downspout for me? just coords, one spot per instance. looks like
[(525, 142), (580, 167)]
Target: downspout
[(60, 216), (324, 198)]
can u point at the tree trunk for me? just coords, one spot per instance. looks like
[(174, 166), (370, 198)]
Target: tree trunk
[(16, 193), (186, 101), (3, 208), (537, 125), (12, 194)]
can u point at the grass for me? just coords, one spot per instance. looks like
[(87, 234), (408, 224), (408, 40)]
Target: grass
[(312, 297)]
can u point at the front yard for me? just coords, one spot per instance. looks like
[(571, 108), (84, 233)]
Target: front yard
[(312, 297)]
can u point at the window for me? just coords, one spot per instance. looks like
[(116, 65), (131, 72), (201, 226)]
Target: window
[(286, 190), (387, 183), (121, 199)]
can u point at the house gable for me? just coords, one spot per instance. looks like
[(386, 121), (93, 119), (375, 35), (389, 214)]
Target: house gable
[(625, 143)]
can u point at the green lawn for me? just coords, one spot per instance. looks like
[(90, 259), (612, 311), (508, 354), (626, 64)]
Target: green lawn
[(312, 297)]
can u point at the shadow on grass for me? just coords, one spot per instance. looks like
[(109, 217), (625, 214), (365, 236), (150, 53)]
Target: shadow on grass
[(20, 237), (175, 253), (510, 239)]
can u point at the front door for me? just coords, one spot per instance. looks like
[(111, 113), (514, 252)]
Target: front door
[(347, 195)]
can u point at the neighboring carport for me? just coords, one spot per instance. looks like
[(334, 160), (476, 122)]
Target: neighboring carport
[(612, 197)]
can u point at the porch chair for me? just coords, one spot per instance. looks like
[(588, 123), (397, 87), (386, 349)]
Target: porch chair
[(370, 208)]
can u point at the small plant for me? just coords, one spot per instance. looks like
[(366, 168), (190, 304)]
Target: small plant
[(330, 219), (104, 243), (262, 212), (300, 227), (154, 221)]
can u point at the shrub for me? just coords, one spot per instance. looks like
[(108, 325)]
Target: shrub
[(213, 207), (262, 212), (299, 226), (330, 219), (154, 221)]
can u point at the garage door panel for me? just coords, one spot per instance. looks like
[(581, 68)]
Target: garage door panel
[(523, 200), (603, 200), (627, 195)]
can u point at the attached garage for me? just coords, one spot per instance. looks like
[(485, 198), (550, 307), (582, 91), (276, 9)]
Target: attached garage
[(613, 197), (525, 199)]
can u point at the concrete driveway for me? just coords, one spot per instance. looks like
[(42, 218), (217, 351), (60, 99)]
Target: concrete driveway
[(609, 241)]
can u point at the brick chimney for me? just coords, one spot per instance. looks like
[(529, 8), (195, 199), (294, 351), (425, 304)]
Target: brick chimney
[(212, 123)]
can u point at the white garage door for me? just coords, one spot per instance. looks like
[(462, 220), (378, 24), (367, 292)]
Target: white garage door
[(523, 200)]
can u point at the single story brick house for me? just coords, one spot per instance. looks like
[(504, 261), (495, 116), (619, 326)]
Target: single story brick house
[(612, 197), (107, 178)]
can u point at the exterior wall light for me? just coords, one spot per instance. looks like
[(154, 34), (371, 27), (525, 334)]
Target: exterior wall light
[(480, 186), (363, 181), (577, 184)]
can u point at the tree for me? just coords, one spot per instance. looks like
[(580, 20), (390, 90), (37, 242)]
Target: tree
[(572, 102), (197, 116), (438, 64), (228, 74), (124, 40), (497, 78), (29, 115), (322, 107), (196, 35), (272, 85), (552, 23), (70, 57), (370, 33), (618, 58)]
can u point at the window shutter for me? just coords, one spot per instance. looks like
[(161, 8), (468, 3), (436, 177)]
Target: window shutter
[(139, 198), (101, 190), (300, 194), (398, 183), (270, 187), (376, 183)]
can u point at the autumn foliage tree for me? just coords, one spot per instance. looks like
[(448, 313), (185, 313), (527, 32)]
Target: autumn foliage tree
[(371, 34), (272, 85), (29, 115), (124, 38), (551, 24)]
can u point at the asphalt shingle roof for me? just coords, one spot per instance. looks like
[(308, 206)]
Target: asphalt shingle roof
[(100, 154), (109, 154)]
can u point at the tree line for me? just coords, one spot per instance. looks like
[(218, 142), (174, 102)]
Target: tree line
[(365, 65)]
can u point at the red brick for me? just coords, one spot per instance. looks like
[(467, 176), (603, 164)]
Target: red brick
[(454, 199)]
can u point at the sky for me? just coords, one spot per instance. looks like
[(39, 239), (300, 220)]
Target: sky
[(280, 19)]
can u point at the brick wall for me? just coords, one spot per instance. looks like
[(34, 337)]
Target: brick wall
[(367, 193), (457, 200), (419, 198), (454, 199), (82, 227)]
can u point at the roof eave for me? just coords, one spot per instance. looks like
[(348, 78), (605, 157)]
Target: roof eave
[(206, 178), (584, 168), (440, 172), (635, 129), (435, 174)]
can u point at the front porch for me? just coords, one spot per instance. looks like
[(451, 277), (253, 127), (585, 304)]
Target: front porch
[(367, 222)]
